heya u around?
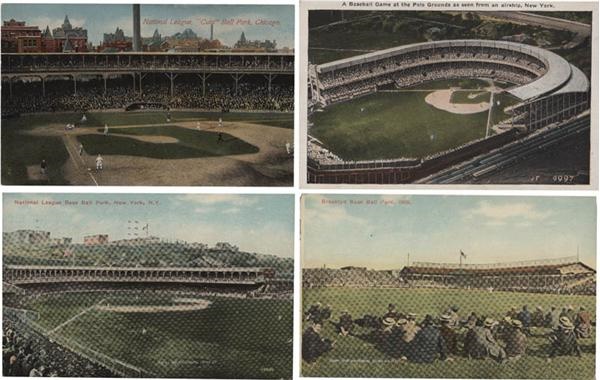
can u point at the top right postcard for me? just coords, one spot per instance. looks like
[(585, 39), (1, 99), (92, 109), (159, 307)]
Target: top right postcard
[(453, 94)]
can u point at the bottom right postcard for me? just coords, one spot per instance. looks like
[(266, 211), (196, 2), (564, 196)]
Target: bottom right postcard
[(448, 286)]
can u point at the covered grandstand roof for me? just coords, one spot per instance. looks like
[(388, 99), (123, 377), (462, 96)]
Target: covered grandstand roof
[(559, 71), (541, 269), (578, 82)]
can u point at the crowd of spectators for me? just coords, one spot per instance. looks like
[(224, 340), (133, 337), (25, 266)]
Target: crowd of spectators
[(476, 335), (416, 59), (409, 77), (26, 352), (350, 277), (60, 96)]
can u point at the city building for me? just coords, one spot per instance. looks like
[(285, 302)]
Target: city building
[(17, 37), (244, 44), (97, 239)]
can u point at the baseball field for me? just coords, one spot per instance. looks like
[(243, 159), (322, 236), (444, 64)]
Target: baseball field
[(414, 122), (147, 148), (355, 357), (225, 338)]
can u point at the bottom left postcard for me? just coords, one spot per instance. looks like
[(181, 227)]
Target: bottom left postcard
[(148, 285)]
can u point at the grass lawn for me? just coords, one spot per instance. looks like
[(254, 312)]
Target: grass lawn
[(393, 125), (505, 100), (20, 151), (353, 356), (191, 144), (232, 338)]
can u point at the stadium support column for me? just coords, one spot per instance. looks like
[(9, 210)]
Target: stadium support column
[(43, 78), (137, 40), (269, 79), (236, 77), (203, 77), (171, 77), (74, 84), (104, 80)]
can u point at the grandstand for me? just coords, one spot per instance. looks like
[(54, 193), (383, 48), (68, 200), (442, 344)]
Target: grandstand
[(560, 276), (550, 93), (50, 82)]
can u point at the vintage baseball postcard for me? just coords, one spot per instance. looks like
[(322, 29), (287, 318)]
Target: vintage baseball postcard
[(151, 94), (426, 94), (448, 286), (148, 285)]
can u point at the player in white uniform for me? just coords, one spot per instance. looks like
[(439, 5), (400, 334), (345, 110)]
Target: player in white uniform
[(220, 123), (105, 129), (99, 162)]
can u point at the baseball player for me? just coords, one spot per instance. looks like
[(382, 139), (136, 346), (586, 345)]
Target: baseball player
[(99, 162), (105, 129)]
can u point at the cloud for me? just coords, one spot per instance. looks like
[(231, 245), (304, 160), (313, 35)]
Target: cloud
[(55, 22), (333, 215), (217, 199), (499, 214)]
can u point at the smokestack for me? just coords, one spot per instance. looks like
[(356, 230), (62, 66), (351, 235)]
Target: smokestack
[(137, 39), (211, 31)]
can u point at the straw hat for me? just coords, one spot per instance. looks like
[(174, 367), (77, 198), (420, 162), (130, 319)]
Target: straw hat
[(517, 323), (565, 323), (489, 322), (389, 321)]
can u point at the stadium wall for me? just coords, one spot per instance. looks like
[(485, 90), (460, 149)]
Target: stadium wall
[(403, 171)]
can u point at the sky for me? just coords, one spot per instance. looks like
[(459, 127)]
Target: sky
[(256, 223), (105, 18), (383, 233)]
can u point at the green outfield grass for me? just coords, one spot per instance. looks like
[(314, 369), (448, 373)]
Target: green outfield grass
[(355, 357), (232, 338), (191, 143), (498, 113), (393, 125), (21, 149)]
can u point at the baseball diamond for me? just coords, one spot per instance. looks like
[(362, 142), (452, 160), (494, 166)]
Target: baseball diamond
[(522, 92), (222, 118)]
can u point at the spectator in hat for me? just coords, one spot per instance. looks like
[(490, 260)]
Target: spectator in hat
[(563, 340), (313, 346), (482, 343), (410, 328), (516, 341), (583, 323), (392, 313), (346, 324), (449, 334), (537, 318), (428, 344), (525, 317)]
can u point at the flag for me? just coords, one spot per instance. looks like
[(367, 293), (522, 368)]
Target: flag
[(462, 254)]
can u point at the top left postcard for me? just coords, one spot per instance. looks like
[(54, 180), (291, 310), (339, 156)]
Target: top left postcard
[(126, 95)]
